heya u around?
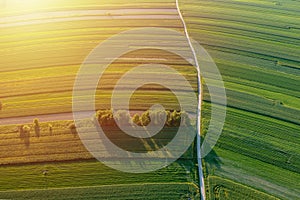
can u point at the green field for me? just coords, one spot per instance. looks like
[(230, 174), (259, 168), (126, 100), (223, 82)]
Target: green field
[(55, 164), (129, 191), (221, 188), (39, 64), (35, 56), (64, 144), (91, 179), (255, 45)]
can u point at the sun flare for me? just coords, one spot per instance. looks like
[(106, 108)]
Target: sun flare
[(19, 6)]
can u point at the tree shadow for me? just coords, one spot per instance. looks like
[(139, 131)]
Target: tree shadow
[(37, 131), (212, 160), (27, 140), (25, 135)]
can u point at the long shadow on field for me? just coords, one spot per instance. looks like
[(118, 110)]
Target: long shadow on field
[(212, 160), (24, 132)]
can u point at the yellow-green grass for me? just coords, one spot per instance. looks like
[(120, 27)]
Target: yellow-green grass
[(91, 174), (149, 191), (57, 164), (35, 56), (256, 48), (14, 8), (61, 144), (28, 88), (31, 91), (41, 96), (55, 146), (38, 67)]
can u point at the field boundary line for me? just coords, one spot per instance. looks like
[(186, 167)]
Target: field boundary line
[(200, 171)]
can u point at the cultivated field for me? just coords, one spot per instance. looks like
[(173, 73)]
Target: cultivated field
[(116, 192), (56, 164), (255, 45), (40, 55), (59, 141), (35, 54)]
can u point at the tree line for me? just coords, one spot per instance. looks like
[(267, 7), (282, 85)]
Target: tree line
[(173, 118)]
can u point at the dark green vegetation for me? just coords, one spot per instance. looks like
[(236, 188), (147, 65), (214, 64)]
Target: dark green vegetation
[(221, 188), (255, 45)]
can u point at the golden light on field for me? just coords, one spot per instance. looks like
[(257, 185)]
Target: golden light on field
[(45, 41), (28, 6), (24, 5), (39, 33)]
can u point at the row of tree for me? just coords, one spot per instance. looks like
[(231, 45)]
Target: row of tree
[(25, 130), (173, 118)]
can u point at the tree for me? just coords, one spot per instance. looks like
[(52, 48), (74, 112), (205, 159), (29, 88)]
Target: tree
[(50, 128), (161, 115), (25, 134), (105, 117), (100, 113), (145, 118), (1, 105), (21, 132), (176, 118), (153, 114), (136, 119), (169, 119), (72, 128), (185, 119), (107, 120), (37, 128), (26, 129), (173, 118), (157, 116), (123, 117)]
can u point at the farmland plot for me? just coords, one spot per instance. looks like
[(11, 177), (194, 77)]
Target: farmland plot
[(255, 45)]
